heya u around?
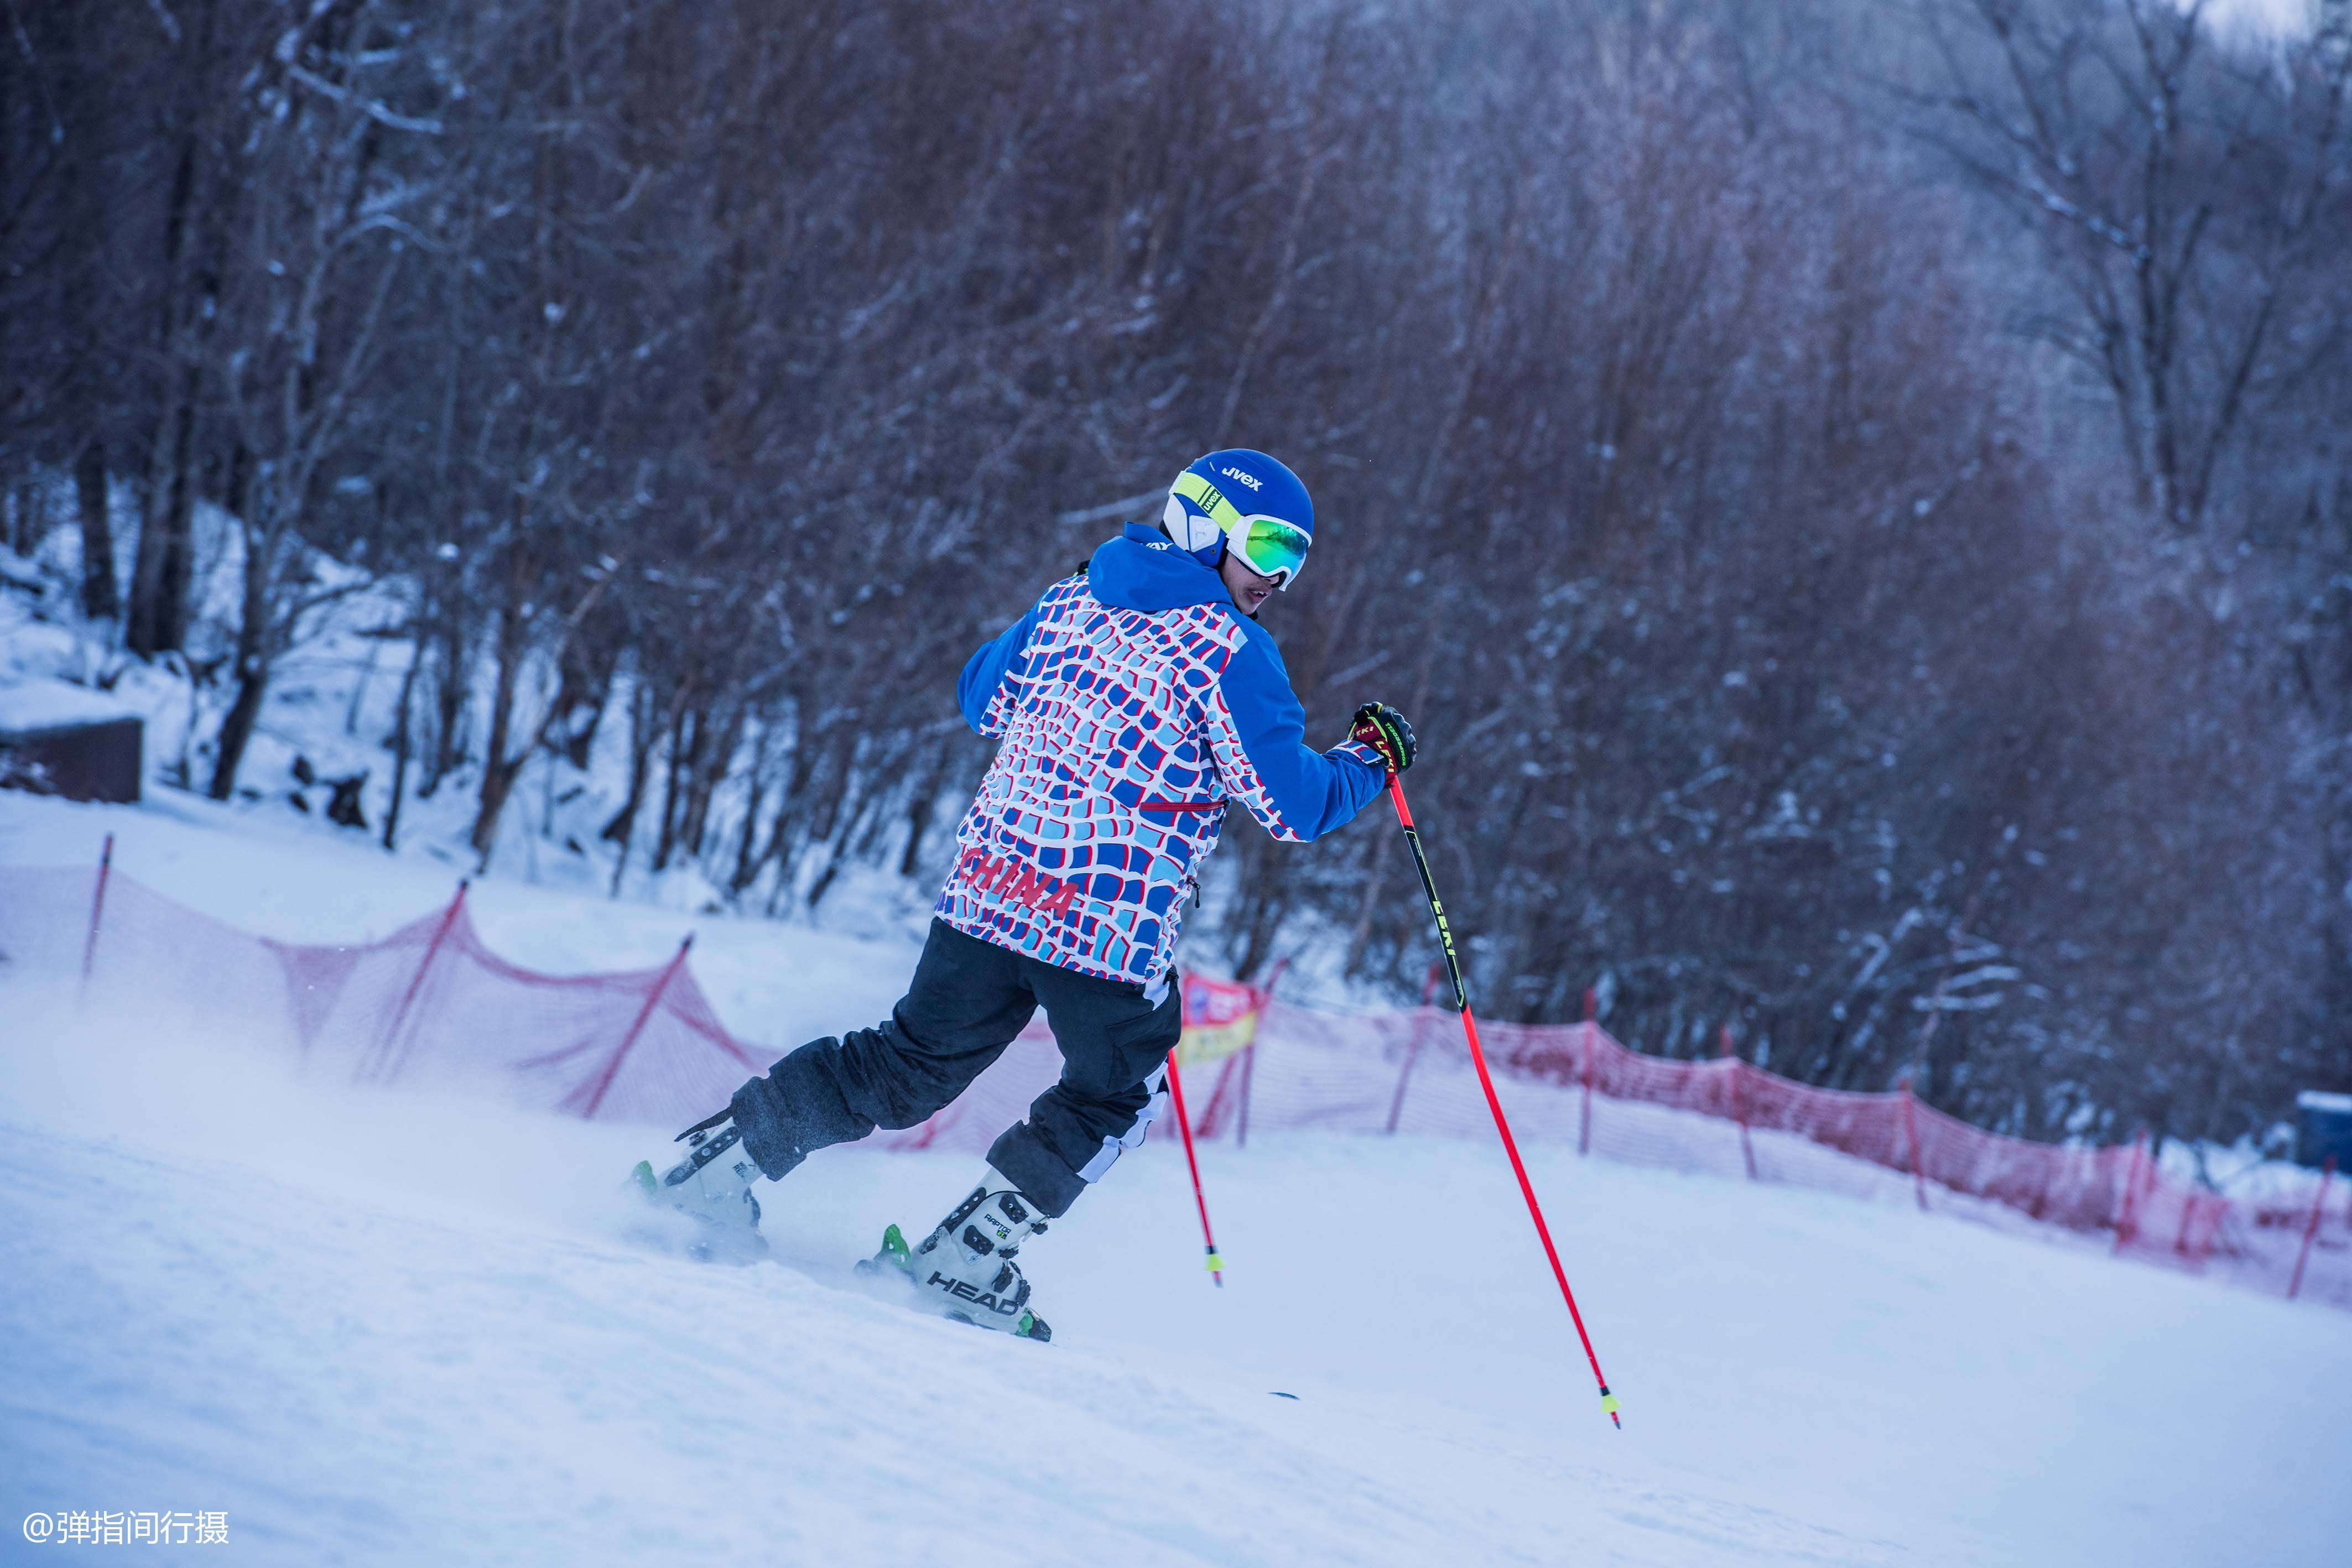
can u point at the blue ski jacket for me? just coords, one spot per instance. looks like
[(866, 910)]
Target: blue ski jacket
[(1132, 704)]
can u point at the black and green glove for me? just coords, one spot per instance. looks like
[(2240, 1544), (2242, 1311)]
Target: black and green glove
[(1383, 729)]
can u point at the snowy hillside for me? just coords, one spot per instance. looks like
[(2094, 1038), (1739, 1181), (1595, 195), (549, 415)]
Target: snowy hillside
[(377, 1327)]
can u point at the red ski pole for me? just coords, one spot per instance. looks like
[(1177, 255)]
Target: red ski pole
[(1184, 1125), (1487, 1082)]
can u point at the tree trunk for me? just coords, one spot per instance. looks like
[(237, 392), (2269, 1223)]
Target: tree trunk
[(710, 771), (682, 753), (24, 537), (778, 847), (401, 743), (253, 653), (100, 600), (643, 734), (155, 621), (499, 770), (585, 687), (641, 752), (450, 678), (747, 843), (920, 812), (237, 730), (835, 859), (158, 619)]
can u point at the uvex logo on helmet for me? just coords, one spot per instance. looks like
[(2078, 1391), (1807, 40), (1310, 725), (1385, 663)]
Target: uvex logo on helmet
[(1247, 478)]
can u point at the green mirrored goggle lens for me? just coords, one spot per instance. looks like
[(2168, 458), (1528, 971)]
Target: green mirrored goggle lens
[(1271, 548)]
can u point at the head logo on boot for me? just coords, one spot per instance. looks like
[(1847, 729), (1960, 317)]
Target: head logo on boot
[(1004, 1308)]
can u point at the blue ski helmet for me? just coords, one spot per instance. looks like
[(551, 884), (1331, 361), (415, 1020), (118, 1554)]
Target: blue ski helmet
[(1246, 502)]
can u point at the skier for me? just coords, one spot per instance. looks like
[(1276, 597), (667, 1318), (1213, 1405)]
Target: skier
[(1133, 703)]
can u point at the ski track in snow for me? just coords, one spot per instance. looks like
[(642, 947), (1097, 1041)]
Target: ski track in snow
[(390, 1328)]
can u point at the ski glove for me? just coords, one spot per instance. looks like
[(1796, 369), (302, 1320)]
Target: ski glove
[(1383, 729)]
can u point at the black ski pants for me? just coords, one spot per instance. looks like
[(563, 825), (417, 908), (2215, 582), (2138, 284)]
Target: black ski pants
[(967, 1001)]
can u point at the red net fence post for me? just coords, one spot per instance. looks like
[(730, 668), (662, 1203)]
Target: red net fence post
[(2127, 1215), (1740, 1102), (1584, 1130), (375, 1062), (1265, 998), (2191, 1244), (97, 913), (1911, 1136), (1412, 1045), (636, 1028), (1212, 1114), (2311, 1229), (1241, 1124)]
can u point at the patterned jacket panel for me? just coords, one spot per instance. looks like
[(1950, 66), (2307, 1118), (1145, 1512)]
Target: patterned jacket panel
[(1131, 704)]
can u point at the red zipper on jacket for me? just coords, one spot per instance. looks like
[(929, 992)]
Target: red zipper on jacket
[(1179, 805)]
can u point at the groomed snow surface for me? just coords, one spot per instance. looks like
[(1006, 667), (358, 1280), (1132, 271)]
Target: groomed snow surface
[(377, 1327)]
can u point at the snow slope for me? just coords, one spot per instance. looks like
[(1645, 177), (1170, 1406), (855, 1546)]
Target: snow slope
[(385, 1328)]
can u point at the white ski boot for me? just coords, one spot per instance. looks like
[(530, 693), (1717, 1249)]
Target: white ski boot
[(965, 1268), (713, 1184)]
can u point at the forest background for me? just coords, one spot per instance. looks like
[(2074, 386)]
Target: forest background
[(1857, 498)]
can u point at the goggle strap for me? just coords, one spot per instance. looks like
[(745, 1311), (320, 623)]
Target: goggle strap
[(1208, 498)]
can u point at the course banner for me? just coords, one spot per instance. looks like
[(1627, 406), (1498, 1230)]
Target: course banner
[(1220, 1019)]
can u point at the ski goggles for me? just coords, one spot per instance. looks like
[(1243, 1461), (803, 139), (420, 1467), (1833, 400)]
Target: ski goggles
[(1267, 545)]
